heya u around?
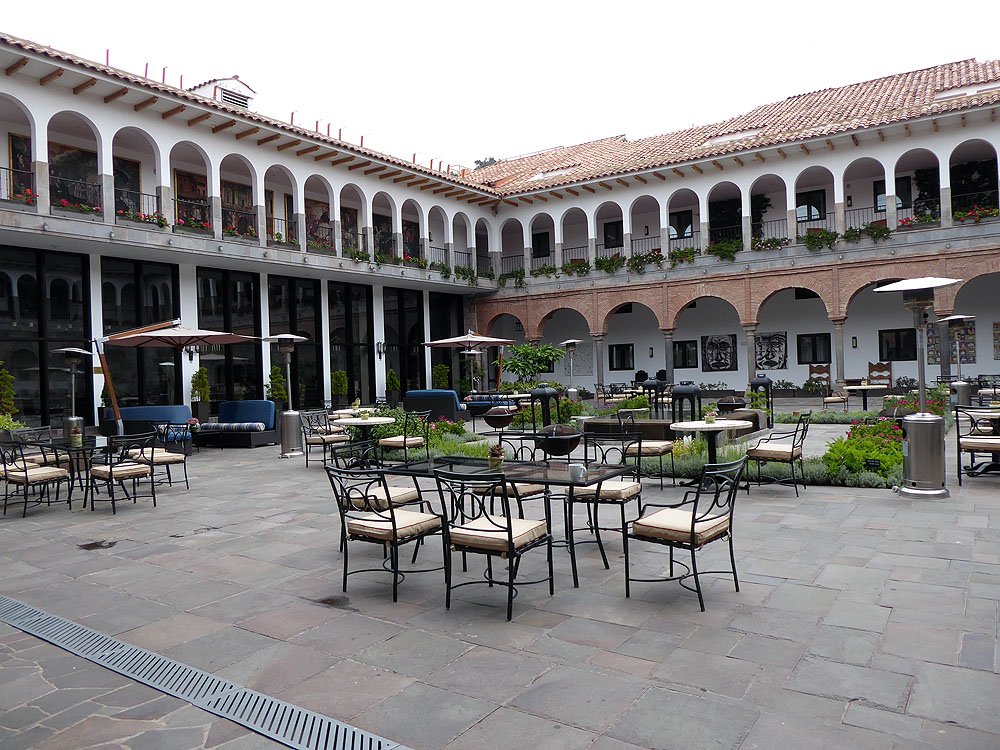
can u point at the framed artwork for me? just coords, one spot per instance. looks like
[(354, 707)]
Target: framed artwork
[(190, 187), (237, 196), (382, 233), (772, 350), (73, 175), (718, 353), (349, 220), (317, 219), (128, 184), (966, 338), (411, 238), (20, 163)]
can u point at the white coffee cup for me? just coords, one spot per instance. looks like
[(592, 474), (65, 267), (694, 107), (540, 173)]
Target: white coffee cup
[(577, 472)]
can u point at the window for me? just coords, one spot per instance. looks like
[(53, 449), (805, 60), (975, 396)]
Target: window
[(681, 225), (904, 193), (614, 234), (897, 345), (540, 245), (685, 354), (620, 357), (814, 348), (810, 206)]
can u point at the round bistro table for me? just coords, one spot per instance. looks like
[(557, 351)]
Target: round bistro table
[(711, 430), (864, 392), (365, 425)]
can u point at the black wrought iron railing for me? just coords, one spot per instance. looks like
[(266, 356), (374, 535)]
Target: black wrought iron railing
[(192, 214), (645, 244), (721, 234), (321, 239), (236, 223), (691, 239), (608, 251), (385, 244), (64, 193), (462, 258), (281, 230), (131, 204), (541, 261), (484, 265), (921, 211), (857, 218), (436, 254), (511, 263), (17, 185), (970, 201), (353, 241), (571, 254), (827, 222), (766, 230)]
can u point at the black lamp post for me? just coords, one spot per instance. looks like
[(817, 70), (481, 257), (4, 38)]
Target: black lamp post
[(763, 384)]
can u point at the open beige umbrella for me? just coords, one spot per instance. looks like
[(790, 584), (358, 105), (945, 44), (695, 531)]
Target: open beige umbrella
[(470, 341)]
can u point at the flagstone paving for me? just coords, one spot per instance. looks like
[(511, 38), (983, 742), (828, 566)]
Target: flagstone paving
[(863, 621)]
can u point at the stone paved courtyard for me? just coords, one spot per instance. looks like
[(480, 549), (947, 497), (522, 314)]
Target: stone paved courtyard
[(864, 621)]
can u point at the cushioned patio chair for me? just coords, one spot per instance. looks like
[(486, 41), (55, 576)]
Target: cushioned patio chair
[(782, 447), (704, 515), (415, 435), (128, 460), (23, 477), (319, 432), (648, 448), (974, 434)]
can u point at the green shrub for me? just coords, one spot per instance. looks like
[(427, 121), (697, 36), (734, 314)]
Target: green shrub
[(277, 389), (392, 383), (441, 376), (818, 239), (6, 392), (7, 422), (725, 249), (200, 389), (338, 383), (636, 402), (881, 440), (609, 264)]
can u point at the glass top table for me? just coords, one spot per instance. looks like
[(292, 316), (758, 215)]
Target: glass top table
[(552, 473)]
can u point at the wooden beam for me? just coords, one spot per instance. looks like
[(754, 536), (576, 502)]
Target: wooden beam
[(804, 149), (247, 133), (373, 170), (760, 157), (697, 169), (16, 66), (606, 186), (404, 178), (421, 181), (510, 203), (47, 79), (307, 150), (661, 176), (115, 95), (716, 165), (829, 144), (84, 86), (327, 155), (854, 138), (881, 135), (906, 128), (146, 103), (574, 193), (525, 200), (620, 181), (782, 154), (290, 144), (935, 124), (453, 193), (200, 118), (542, 198), (359, 165), (175, 111), (268, 138), (738, 160), (223, 126), (560, 196), (993, 115), (677, 172), (640, 178), (588, 188), (429, 185), (444, 189), (392, 173), (342, 160), (963, 121)]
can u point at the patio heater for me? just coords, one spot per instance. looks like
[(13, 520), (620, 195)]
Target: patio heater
[(73, 356), (291, 435), (763, 384), (961, 392), (472, 365), (570, 345), (689, 393), (923, 433)]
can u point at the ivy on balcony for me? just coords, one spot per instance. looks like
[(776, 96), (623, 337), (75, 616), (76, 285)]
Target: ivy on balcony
[(877, 231), (725, 249), (578, 267), (817, 239), (682, 255)]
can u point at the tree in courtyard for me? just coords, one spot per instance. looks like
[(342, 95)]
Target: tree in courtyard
[(528, 360)]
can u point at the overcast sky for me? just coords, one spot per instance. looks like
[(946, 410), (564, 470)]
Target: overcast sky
[(459, 81)]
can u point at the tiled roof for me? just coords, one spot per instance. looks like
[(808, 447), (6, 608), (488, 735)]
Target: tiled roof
[(216, 80), (875, 103)]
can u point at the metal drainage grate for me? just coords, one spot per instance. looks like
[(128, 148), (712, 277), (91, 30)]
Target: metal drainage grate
[(290, 725)]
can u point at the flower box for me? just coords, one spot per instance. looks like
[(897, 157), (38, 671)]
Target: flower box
[(193, 230), (77, 213)]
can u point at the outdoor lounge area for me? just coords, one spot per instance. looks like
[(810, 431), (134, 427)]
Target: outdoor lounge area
[(861, 619)]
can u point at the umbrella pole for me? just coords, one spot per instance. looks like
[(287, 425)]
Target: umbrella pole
[(111, 388)]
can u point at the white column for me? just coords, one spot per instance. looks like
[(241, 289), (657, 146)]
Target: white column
[(378, 324), (187, 278), (324, 309), (96, 329), (265, 331)]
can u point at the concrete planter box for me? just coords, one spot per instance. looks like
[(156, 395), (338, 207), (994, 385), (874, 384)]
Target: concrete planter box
[(19, 206), (153, 226), (196, 232), (70, 213)]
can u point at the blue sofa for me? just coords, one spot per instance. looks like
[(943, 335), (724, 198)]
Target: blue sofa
[(443, 404), (141, 419), (242, 424)]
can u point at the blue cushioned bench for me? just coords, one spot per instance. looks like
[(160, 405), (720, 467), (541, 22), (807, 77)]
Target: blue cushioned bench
[(443, 403), (242, 424)]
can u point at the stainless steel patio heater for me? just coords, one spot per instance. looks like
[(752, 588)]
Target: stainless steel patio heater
[(961, 392), (923, 433), (291, 434), (570, 345), (72, 425)]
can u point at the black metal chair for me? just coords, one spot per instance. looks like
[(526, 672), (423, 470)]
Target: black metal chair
[(22, 475), (782, 447), (361, 454), (318, 432), (369, 513), (129, 458), (974, 434), (416, 434), (703, 515), (648, 448), (168, 435), (472, 529)]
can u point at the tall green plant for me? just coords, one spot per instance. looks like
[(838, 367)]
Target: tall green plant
[(200, 389), (392, 383), (6, 392), (441, 376), (528, 360), (338, 383), (277, 388)]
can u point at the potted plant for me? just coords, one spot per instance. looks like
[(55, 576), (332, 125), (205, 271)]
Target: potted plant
[(392, 387), (338, 387), (6, 392), (200, 394), (277, 390), (710, 415), (496, 457), (8, 423), (441, 376)]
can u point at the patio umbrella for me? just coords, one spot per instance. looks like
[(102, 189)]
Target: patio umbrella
[(472, 340)]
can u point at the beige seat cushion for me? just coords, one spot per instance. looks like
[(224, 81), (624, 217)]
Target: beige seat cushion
[(408, 523), (981, 444), (651, 448), (834, 399), (775, 452), (523, 489), (36, 474), (674, 525), (397, 496), (159, 457), (489, 533), (613, 489), (125, 470), (400, 441), (49, 459), (328, 438)]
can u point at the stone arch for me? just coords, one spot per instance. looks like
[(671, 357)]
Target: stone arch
[(611, 303), (79, 131), (499, 314), (13, 110), (973, 161), (732, 291), (763, 290), (579, 306)]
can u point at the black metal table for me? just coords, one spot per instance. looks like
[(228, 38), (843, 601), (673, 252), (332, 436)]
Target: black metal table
[(80, 456), (547, 473)]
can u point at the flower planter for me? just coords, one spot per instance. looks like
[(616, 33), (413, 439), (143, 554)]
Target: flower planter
[(194, 231), (75, 214), (140, 224), (12, 205)]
